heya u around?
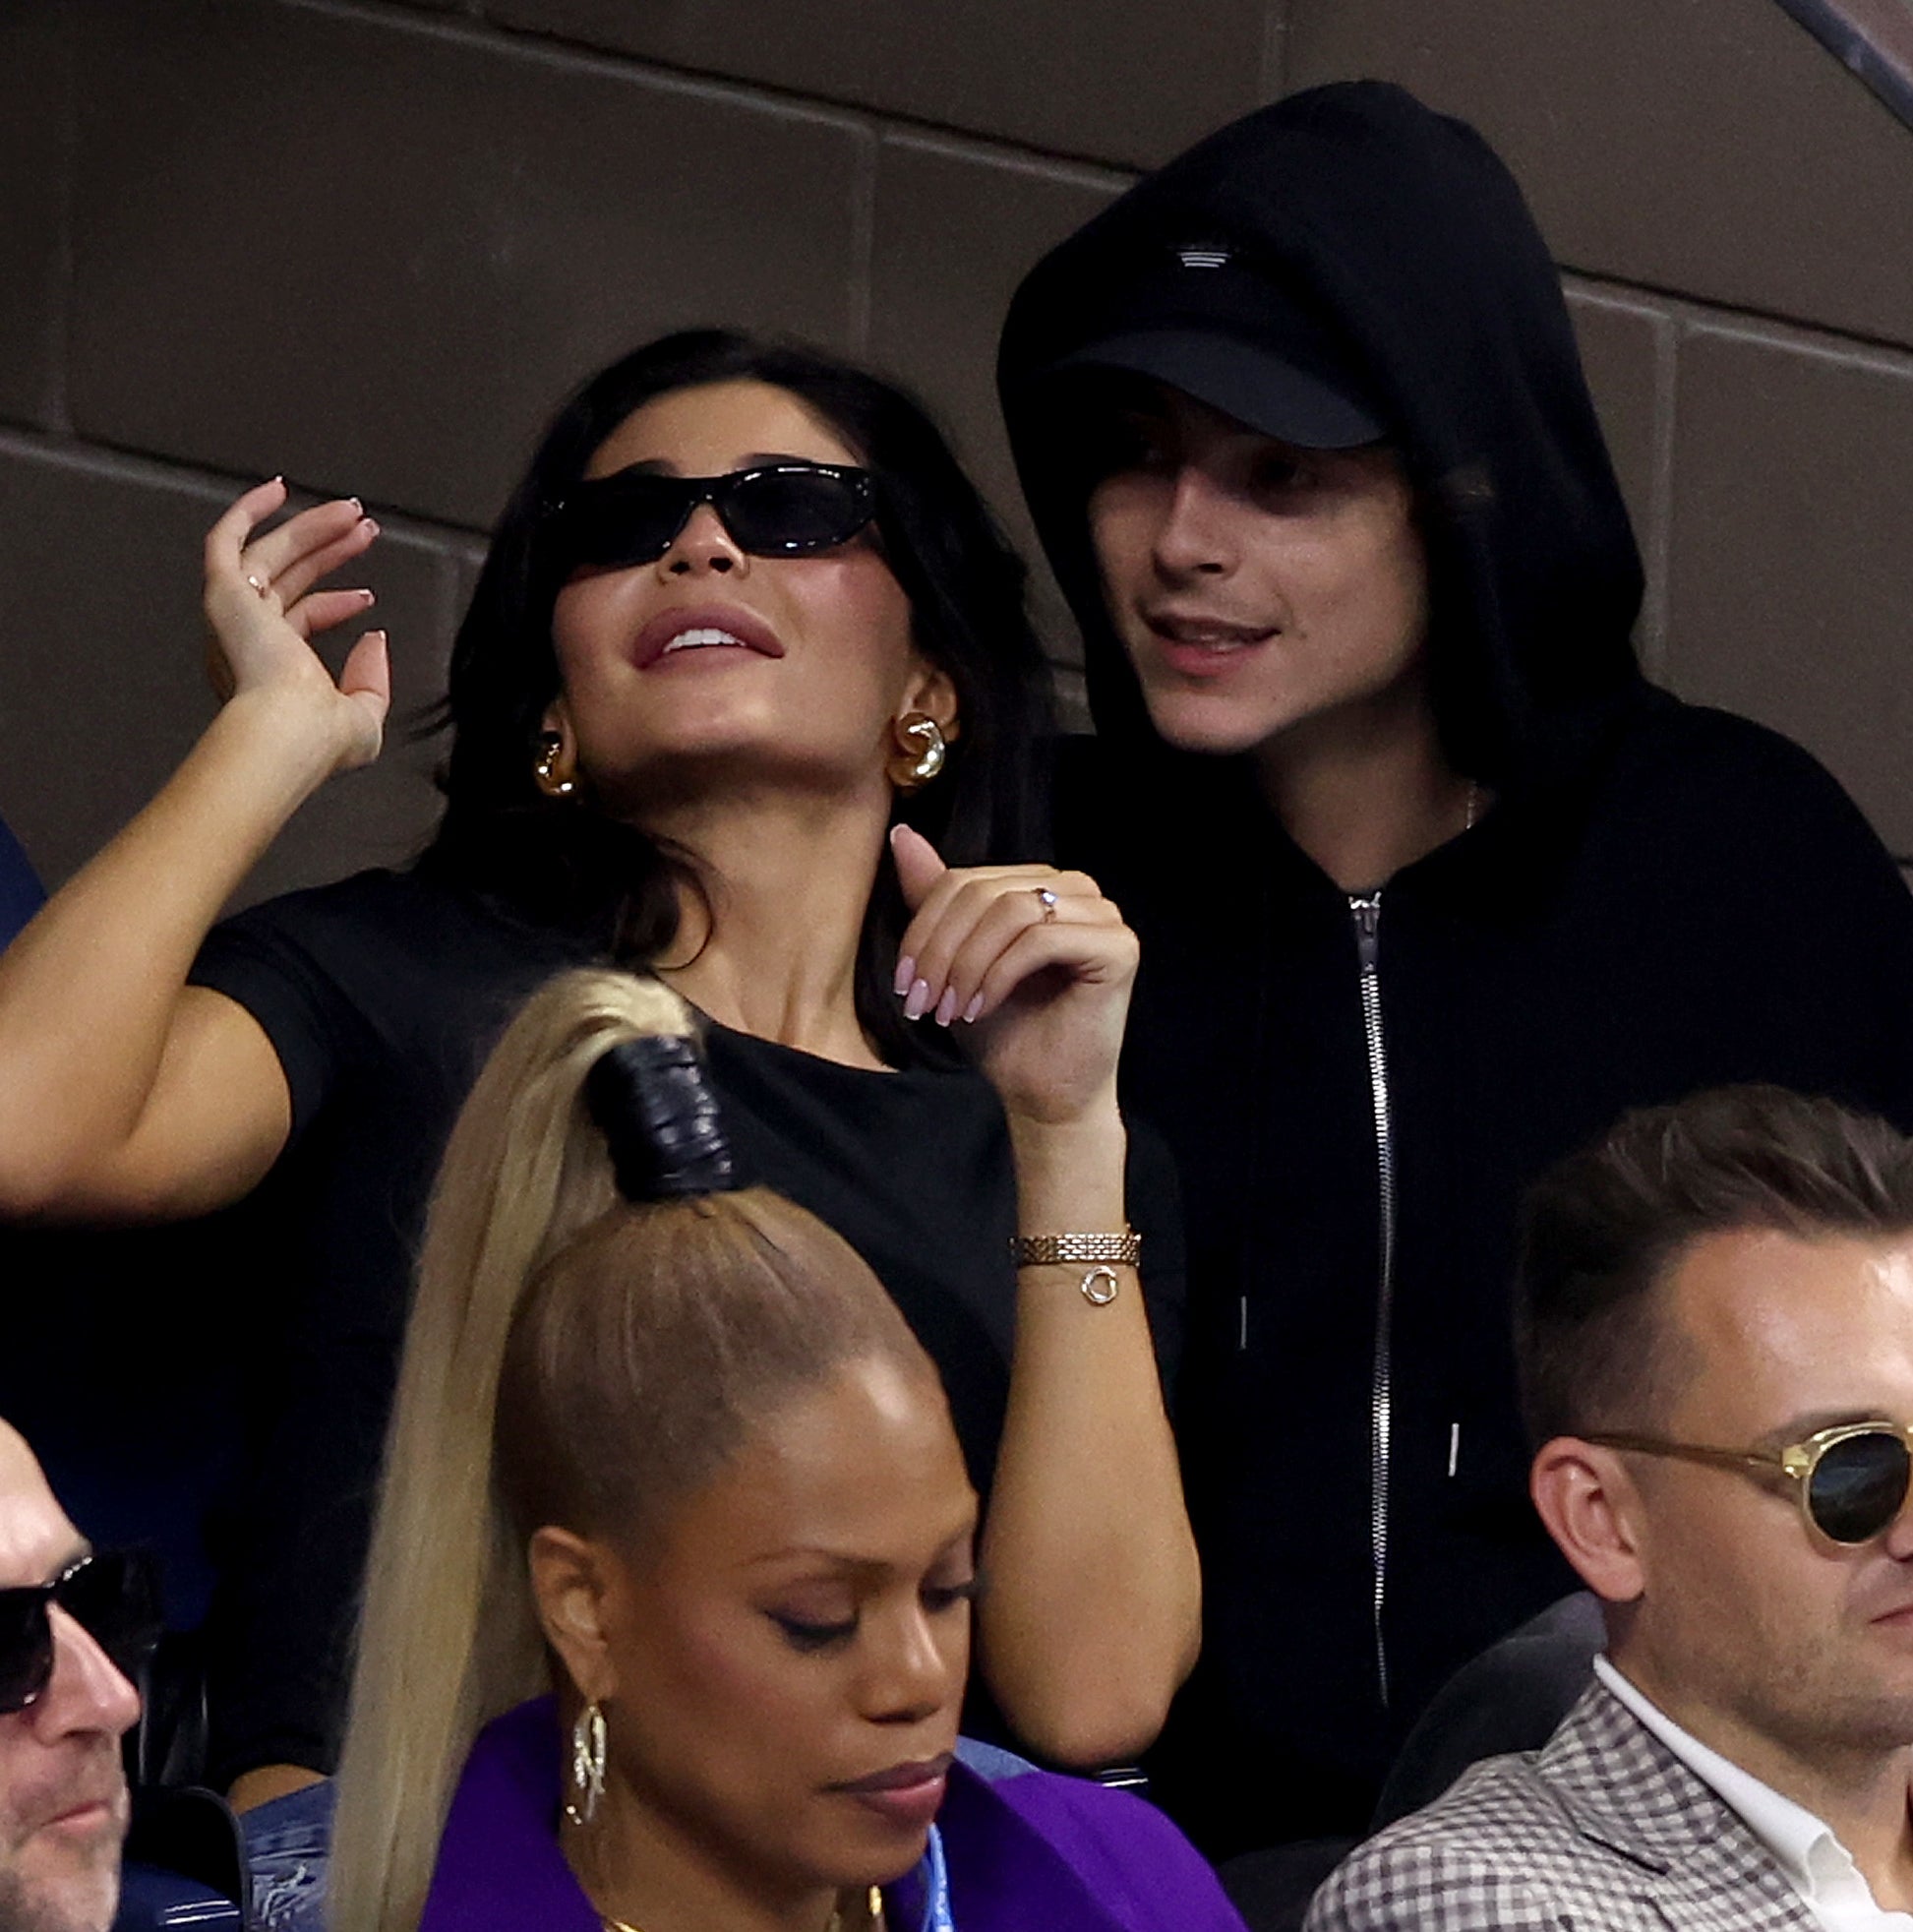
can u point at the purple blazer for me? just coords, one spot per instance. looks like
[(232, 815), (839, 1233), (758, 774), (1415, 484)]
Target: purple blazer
[(1025, 1849)]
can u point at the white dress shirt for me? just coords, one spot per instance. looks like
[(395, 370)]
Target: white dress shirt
[(1811, 1858)]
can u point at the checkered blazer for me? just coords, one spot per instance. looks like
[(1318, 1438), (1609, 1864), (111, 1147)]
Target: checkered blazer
[(1604, 1829)]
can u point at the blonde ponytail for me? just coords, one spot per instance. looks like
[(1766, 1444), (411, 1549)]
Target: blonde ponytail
[(525, 1171), (573, 1358)]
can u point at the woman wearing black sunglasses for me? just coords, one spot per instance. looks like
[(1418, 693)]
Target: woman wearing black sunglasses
[(742, 618)]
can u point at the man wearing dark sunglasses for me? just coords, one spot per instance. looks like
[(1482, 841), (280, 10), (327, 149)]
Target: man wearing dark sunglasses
[(64, 1705), (1715, 1329)]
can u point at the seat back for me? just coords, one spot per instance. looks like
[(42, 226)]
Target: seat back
[(1509, 1698), (185, 1863), (185, 1859), (155, 1900)]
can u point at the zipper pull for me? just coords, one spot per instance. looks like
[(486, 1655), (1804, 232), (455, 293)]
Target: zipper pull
[(1366, 909)]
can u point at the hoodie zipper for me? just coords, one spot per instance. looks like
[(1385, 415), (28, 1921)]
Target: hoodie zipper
[(1366, 910)]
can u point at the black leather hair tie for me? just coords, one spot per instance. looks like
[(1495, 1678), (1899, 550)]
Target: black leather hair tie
[(660, 1119)]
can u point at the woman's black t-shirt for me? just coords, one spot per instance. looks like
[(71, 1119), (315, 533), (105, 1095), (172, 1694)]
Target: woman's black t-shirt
[(382, 996)]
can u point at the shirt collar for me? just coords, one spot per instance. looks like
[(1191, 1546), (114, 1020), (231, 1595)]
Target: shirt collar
[(1817, 1864)]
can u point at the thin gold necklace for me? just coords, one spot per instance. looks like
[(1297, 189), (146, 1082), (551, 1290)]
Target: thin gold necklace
[(874, 1922)]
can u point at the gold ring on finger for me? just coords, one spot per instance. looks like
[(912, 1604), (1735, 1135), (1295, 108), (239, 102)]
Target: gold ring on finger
[(1048, 900)]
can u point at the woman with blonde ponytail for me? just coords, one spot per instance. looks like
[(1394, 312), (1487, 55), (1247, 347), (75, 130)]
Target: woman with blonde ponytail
[(524, 1171), (669, 1610)]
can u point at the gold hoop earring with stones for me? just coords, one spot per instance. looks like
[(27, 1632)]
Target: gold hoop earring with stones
[(548, 767)]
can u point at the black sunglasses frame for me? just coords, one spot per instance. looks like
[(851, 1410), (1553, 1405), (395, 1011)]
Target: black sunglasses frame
[(112, 1594), (596, 498)]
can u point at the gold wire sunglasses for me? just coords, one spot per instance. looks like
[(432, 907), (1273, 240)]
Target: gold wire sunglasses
[(1851, 1479)]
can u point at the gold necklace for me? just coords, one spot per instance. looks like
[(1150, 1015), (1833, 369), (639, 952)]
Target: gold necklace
[(873, 1923)]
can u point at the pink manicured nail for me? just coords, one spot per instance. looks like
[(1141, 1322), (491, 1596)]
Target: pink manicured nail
[(364, 596), (905, 972), (970, 1011), (946, 1007), (356, 505), (371, 526), (917, 1005)]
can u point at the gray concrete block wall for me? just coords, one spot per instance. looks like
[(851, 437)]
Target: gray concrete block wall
[(1108, 79), (101, 690), (371, 242), (373, 255), (1823, 652), (1732, 208)]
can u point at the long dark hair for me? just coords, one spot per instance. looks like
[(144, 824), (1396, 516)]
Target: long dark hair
[(563, 861)]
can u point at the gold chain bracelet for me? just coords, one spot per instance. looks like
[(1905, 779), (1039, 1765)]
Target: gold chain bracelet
[(1045, 1251)]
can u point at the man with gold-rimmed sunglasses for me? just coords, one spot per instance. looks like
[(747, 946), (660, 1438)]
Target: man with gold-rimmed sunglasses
[(1715, 1333), (1850, 1479)]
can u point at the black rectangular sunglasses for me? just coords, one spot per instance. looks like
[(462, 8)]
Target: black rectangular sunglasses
[(774, 510), (113, 1595)]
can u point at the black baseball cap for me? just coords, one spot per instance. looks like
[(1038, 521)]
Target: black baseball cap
[(1200, 316)]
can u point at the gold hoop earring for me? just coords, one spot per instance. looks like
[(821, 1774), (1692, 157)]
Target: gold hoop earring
[(920, 750), (545, 767), (587, 1765)]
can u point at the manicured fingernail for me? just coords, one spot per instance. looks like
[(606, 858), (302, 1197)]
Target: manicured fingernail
[(905, 972), (364, 596), (973, 1010), (356, 505), (946, 1007), (917, 1005), (371, 526)]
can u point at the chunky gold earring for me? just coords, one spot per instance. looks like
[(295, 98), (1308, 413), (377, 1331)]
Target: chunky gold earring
[(551, 781), (587, 1765), (920, 750)]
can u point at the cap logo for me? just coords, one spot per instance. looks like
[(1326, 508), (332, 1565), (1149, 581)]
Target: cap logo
[(1203, 258)]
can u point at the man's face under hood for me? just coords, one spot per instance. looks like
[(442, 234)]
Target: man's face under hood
[(1416, 249), (1257, 587)]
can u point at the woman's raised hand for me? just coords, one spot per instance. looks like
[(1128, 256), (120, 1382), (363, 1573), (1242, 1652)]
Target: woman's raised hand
[(1037, 960), (262, 614)]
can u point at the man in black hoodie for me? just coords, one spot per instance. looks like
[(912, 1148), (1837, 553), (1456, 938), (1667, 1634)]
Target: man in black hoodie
[(1430, 882)]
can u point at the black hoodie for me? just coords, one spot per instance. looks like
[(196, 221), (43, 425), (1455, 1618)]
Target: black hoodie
[(1661, 898)]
